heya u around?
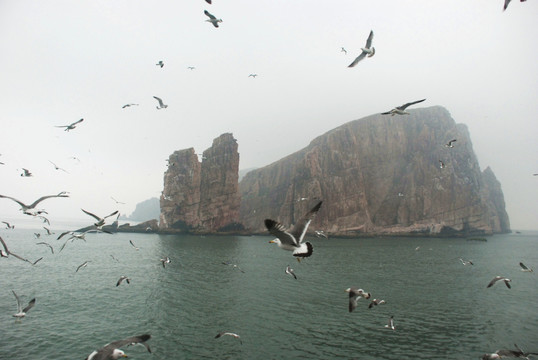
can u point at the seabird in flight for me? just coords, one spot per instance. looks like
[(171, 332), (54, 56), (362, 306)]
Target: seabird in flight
[(212, 19), (133, 245), (450, 144), (229, 334), (376, 302), (160, 63), (84, 264), (112, 351), (292, 239), (390, 324), (128, 105), (344, 51), (321, 234), (253, 75), (26, 208), (165, 260), (524, 268), (46, 244), (8, 225), (161, 104), (235, 266), (48, 231), (56, 167), (20, 311), (123, 277), (466, 262), (26, 173), (290, 271), (71, 126), (441, 164), (497, 278), (366, 50), (400, 110), (354, 295), (191, 67), (504, 353), (100, 221)]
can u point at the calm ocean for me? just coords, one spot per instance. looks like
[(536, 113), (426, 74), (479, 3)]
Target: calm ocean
[(442, 309)]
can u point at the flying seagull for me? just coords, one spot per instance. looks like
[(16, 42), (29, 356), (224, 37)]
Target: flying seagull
[(112, 351), (26, 173), (100, 221), (441, 164), (355, 295), (499, 354), (191, 67), (26, 208), (292, 239), (253, 76), (161, 104), (466, 262), (46, 244), (71, 126), (8, 225), (366, 50), (56, 167), (133, 245), (290, 271), (344, 51), (229, 334), (160, 63), (20, 311), (83, 265), (376, 302), (497, 278), (74, 236), (506, 2), (128, 105), (321, 234), (390, 324), (400, 110), (524, 268), (6, 253), (48, 231), (123, 277), (235, 266), (212, 19), (450, 144), (165, 260)]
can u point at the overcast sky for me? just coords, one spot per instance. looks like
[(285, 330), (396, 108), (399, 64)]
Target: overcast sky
[(66, 60)]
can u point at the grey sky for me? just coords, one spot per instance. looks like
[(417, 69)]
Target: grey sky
[(66, 60)]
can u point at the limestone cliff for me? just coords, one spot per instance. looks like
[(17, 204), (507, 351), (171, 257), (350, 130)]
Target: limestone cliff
[(381, 175), (202, 197)]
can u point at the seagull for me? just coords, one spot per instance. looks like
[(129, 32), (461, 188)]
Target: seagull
[(466, 262), (290, 271), (75, 235), (100, 221), (233, 265), (46, 244), (390, 325), (6, 253), (441, 165), (26, 173), (344, 51), (117, 202), (355, 295), (229, 334), (450, 144), (161, 104), (376, 302), (499, 354), (366, 50), (48, 231), (131, 242), (400, 110), (45, 220), (123, 277), (112, 256), (497, 278), (8, 225), (128, 105), (212, 19), (56, 167), (524, 268), (83, 265), (71, 126), (26, 208), (37, 235), (160, 63), (165, 261), (320, 234), (253, 76), (292, 240), (112, 351), (191, 67), (20, 311), (506, 2)]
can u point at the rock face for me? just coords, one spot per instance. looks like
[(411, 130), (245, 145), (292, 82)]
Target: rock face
[(202, 197), (381, 175)]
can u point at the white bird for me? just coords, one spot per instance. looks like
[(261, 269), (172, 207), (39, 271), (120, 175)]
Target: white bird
[(497, 278), (56, 167), (117, 202), (133, 245), (290, 271), (441, 165), (165, 260), (5, 253), (466, 262), (26, 173), (235, 266), (161, 104), (229, 334), (524, 268), (46, 244), (376, 302), (112, 350), (450, 144), (78, 236), (355, 295), (160, 63), (390, 324), (100, 220), (400, 110), (320, 234), (123, 277), (128, 105), (20, 311), (71, 126), (212, 19), (83, 265), (8, 225), (48, 231), (253, 75), (292, 240), (366, 50), (26, 208), (344, 51)]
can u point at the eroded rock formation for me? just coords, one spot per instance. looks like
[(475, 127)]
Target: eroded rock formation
[(381, 175)]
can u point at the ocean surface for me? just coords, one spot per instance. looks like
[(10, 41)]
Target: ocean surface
[(442, 309)]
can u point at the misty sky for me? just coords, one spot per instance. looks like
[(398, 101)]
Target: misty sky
[(66, 60)]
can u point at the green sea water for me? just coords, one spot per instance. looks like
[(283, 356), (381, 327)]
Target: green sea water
[(442, 309)]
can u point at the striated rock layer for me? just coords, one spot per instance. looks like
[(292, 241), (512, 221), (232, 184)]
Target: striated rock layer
[(381, 175), (202, 197)]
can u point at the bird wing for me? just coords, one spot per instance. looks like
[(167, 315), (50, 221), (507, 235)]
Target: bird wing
[(109, 215), (17, 201), (278, 230), (507, 284), (47, 244), (210, 15), (159, 100), (4, 245), (523, 266), (300, 228), (19, 306), (387, 113), (140, 339), (451, 141), (62, 234), (92, 215), (77, 122), (131, 242), (404, 106), (34, 204), (506, 2), (492, 282), (357, 59), (369, 40), (29, 306)]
